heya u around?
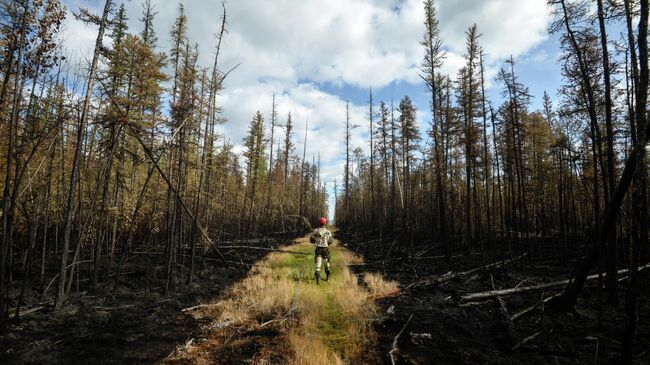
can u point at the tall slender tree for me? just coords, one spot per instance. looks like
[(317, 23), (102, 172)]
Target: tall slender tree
[(69, 208), (433, 57)]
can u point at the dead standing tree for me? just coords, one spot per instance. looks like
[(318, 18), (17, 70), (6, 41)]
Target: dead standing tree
[(633, 164), (69, 208)]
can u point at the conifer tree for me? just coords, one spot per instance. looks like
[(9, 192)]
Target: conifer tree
[(433, 56)]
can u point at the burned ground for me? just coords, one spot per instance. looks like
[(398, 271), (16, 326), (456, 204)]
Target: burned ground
[(133, 324), (140, 325), (444, 331)]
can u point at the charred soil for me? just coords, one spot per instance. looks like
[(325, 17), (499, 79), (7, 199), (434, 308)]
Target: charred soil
[(131, 323), (447, 330)]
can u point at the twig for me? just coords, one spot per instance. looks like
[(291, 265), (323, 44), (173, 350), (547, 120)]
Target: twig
[(57, 275), (595, 339), (395, 349), (113, 308), (196, 307), (505, 316), (219, 325), (283, 319), (528, 339), (527, 310), (390, 249)]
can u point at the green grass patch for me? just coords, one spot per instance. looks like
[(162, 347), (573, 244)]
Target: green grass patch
[(301, 268), (334, 318), (329, 322)]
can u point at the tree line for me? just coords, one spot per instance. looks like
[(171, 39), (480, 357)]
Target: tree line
[(120, 157), (488, 170)]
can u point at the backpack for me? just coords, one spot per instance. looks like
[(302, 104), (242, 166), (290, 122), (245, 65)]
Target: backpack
[(320, 238)]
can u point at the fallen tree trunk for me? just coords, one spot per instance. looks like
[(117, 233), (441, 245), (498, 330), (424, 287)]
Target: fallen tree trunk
[(452, 275), (33, 309), (263, 249), (250, 241), (544, 301), (494, 293)]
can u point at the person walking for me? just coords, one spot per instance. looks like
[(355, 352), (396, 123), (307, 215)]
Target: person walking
[(322, 238)]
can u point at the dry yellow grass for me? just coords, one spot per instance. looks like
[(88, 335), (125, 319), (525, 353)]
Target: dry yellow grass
[(310, 351), (380, 288), (325, 324)]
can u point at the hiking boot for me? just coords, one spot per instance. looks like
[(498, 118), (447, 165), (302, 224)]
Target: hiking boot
[(327, 275), (317, 275)]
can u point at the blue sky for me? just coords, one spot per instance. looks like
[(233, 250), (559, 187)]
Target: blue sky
[(316, 55)]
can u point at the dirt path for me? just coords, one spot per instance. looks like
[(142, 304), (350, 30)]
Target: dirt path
[(277, 314)]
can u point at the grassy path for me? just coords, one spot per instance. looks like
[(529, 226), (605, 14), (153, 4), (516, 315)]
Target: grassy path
[(279, 315)]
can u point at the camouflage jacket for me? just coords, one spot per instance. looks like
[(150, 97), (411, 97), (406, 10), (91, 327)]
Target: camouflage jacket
[(321, 237)]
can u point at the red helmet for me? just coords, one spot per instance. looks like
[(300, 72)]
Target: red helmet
[(322, 221)]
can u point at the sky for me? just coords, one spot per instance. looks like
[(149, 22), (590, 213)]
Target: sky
[(317, 55)]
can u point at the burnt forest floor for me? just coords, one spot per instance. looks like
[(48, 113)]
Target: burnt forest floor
[(446, 330), (137, 324), (133, 323)]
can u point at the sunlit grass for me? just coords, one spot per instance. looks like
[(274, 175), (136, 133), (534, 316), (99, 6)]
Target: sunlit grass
[(332, 323), (379, 287)]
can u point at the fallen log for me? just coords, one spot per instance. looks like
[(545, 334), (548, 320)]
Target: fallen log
[(452, 275), (249, 241), (263, 249), (503, 292), (494, 264), (437, 257), (380, 240), (101, 308), (544, 301), (33, 309)]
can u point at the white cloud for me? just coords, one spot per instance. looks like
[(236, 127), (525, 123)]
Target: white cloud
[(325, 112), (79, 38), (289, 47), (508, 26)]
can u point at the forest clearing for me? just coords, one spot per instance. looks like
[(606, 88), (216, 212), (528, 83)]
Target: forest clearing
[(324, 182), (281, 316)]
